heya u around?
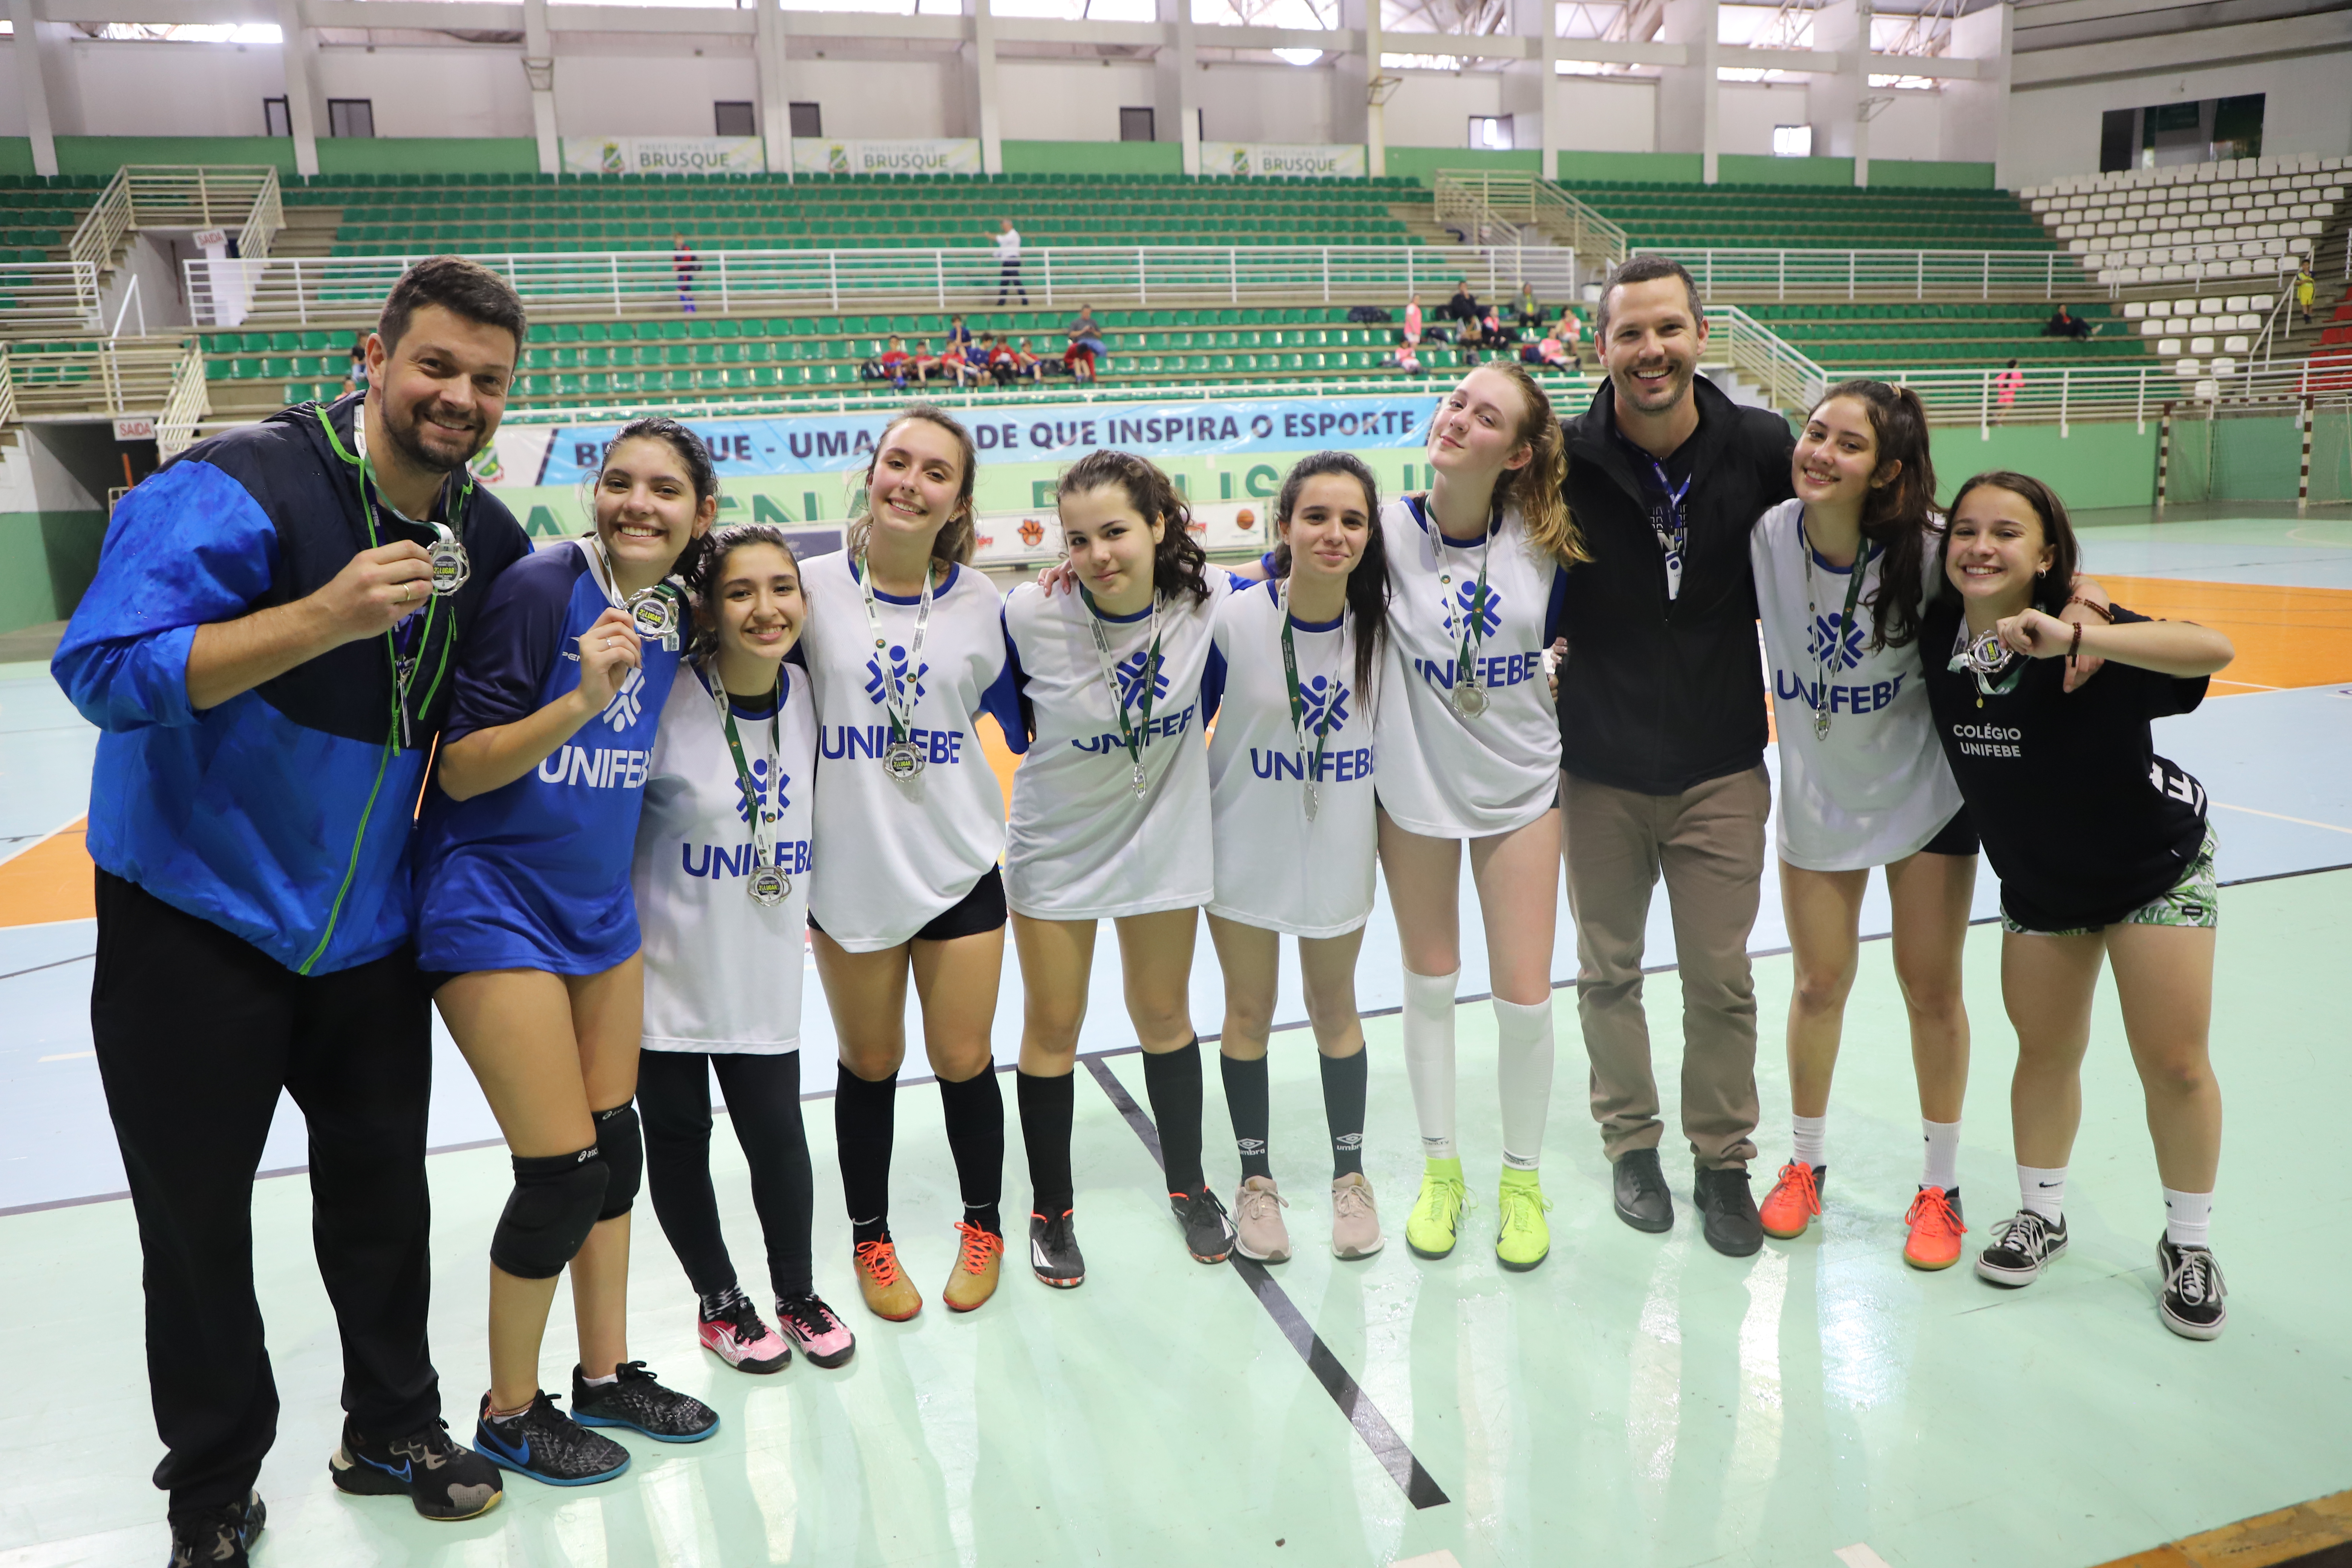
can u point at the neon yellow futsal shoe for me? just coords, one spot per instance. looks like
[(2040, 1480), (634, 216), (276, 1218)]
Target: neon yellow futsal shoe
[(1522, 1237), (1437, 1213)]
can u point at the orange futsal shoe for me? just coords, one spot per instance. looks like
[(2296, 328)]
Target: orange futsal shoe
[(1793, 1201), (976, 1269), (888, 1293), (1935, 1229)]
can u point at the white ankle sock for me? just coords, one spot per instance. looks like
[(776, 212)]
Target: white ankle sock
[(2043, 1191), (1429, 1059), (610, 1377), (1523, 1060), (2188, 1218), (1810, 1137), (1943, 1141)]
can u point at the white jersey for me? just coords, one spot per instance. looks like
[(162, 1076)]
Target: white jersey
[(1443, 775), (1877, 787), (722, 972), (1081, 844), (1276, 869), (903, 854)]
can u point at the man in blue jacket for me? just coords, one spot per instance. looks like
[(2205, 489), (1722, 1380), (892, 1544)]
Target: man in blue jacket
[(267, 648)]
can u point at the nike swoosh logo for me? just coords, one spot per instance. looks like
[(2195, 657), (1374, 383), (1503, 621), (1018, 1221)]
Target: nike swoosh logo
[(519, 1456), (404, 1473), (2045, 1183)]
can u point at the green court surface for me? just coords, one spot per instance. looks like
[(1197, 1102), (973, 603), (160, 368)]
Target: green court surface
[(1637, 1400)]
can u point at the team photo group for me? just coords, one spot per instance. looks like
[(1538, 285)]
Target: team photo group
[(366, 754)]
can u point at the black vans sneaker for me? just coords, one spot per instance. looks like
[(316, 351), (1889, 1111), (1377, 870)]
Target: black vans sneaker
[(1208, 1232), (2193, 1291), (1054, 1255), (548, 1446), (443, 1481), (215, 1537), (641, 1405), (2021, 1248)]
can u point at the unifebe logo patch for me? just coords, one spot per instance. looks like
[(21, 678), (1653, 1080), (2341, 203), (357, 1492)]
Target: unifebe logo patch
[(1457, 611), (879, 687), (1129, 674)]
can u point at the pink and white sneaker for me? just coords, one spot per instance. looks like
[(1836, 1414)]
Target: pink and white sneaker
[(817, 1328), (738, 1338)]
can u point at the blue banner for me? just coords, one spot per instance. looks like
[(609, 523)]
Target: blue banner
[(1054, 432)]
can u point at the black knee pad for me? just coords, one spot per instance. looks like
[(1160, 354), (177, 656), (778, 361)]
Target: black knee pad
[(623, 1143), (548, 1217)]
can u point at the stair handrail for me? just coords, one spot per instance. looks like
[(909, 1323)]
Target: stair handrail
[(7, 388), (1788, 376), (185, 407), (103, 227), (1507, 204)]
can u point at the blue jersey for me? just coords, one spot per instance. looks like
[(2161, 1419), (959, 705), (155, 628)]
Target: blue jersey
[(535, 875)]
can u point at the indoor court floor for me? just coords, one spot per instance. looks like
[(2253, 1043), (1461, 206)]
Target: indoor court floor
[(1637, 1400)]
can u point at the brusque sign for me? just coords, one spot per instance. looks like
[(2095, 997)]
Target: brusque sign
[(663, 155), (1298, 160), (941, 156)]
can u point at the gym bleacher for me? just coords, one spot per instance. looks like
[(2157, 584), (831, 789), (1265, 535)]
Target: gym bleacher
[(1681, 218), (37, 217), (2243, 218), (1856, 338)]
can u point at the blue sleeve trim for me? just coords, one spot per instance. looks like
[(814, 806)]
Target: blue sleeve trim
[(1556, 610), (1213, 683), (1007, 698)]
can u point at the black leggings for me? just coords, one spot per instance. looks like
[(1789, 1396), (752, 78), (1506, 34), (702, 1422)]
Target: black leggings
[(763, 1100)]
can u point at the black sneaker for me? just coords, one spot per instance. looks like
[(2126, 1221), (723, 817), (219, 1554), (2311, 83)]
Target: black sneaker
[(548, 1446), (2193, 1291), (1054, 1255), (1639, 1187), (1728, 1212), (641, 1405), (1208, 1233), (2021, 1248), (215, 1537), (443, 1481)]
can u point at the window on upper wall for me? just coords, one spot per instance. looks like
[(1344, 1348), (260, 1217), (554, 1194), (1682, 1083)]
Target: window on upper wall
[(1491, 132), (807, 120), (734, 120), (276, 118), (350, 117), (1135, 125), (1792, 141)]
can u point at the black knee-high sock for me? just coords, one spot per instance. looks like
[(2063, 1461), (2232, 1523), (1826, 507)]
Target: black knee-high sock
[(1344, 1080), (976, 1117), (1246, 1098), (862, 1114), (1047, 1108), (1172, 1080)]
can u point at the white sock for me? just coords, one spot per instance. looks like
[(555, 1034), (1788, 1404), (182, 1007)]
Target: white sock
[(601, 1382), (2043, 1191), (2188, 1218), (1943, 1141), (1811, 1135), (1429, 1059), (1523, 1055)]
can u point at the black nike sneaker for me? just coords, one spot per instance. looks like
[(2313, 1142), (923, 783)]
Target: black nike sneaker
[(1208, 1231), (548, 1446), (219, 1537), (1054, 1255), (444, 1481), (641, 1405)]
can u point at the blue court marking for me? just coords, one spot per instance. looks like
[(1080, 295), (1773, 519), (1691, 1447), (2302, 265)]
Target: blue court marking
[(2287, 552)]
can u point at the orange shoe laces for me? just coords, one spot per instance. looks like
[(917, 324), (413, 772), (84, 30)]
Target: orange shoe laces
[(879, 1258), (978, 1245), (1932, 1211), (1798, 1173)]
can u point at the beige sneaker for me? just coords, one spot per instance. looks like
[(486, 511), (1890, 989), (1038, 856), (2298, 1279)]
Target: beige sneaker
[(1257, 1222), (1355, 1218), (977, 1262)]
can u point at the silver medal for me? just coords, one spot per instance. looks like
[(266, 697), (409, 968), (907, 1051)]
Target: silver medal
[(451, 567), (903, 761), (769, 886), (655, 612), (1141, 786), (1821, 726), (1469, 700)]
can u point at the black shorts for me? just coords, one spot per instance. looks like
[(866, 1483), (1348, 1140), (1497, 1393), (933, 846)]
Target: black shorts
[(982, 909), (1957, 836)]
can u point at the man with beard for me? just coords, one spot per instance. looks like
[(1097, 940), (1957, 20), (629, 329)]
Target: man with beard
[(267, 648), (1662, 731)]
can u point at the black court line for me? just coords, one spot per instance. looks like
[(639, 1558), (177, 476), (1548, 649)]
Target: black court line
[(59, 963), (1418, 1487)]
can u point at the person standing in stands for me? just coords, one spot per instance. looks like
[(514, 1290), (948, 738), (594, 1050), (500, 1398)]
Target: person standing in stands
[(1661, 737), (2005, 388), (2305, 288), (1412, 322), (1008, 262), (264, 651), (685, 264)]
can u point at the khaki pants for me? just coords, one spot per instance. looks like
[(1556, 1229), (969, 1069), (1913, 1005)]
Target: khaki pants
[(1708, 842)]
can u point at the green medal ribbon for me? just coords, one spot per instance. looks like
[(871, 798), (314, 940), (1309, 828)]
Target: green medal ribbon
[(1298, 709)]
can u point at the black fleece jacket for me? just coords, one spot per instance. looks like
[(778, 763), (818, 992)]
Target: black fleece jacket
[(1657, 696)]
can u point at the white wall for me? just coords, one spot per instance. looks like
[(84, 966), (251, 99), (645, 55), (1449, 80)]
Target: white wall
[(1053, 101), (1910, 126), (642, 93), (1746, 112), (432, 93), (925, 97), (170, 89), (1609, 114), (1272, 103), (1431, 108), (2307, 107)]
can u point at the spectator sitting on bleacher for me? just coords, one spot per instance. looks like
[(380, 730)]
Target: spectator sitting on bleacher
[(970, 363), (927, 363), (1498, 331), (1405, 358), (1463, 307), (1571, 332), (2065, 325), (1472, 337), (895, 360), (1004, 364), (355, 377), (1529, 313), (1086, 345), (958, 335), (1547, 351), (1026, 363)]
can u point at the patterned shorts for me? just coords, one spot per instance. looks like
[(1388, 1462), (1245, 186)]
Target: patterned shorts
[(2194, 900)]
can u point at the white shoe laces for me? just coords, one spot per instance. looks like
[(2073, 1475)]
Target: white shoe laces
[(2194, 1277), (2028, 1235), (1258, 1205), (1353, 1200)]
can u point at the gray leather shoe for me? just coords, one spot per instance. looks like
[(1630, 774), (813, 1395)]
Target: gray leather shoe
[(1642, 1200)]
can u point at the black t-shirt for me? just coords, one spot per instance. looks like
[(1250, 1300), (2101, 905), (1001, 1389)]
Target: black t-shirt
[(2082, 820)]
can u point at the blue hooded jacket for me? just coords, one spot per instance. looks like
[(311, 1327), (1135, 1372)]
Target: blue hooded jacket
[(283, 815)]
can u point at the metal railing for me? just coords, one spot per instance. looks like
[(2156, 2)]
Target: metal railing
[(8, 387), (1993, 396), (1786, 376), (1514, 205), (178, 195), (1888, 275), (185, 408), (48, 297), (105, 379), (103, 227)]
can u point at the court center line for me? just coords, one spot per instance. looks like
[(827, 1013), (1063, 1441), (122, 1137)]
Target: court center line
[(2275, 816), (1389, 1449)]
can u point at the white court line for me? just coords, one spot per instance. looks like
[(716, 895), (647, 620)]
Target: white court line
[(1859, 1556), (2275, 816), (34, 844), (69, 1057), (1441, 1558)]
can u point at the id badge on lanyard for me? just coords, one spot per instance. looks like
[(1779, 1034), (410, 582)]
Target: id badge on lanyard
[(1672, 531)]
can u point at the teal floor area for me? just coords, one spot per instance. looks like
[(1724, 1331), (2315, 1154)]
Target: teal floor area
[(1637, 1400)]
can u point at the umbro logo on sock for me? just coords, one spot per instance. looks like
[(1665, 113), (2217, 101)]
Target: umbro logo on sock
[(1349, 1141), (1250, 1145)]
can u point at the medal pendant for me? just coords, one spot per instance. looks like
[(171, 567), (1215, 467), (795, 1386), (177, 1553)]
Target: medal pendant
[(656, 615), (451, 567), (769, 887), (903, 761), (1821, 726), (1469, 700), (1138, 783), (1313, 802)]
